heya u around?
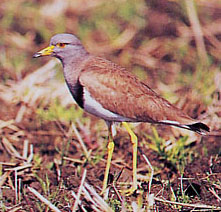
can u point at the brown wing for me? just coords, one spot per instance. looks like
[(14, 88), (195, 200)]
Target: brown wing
[(122, 93)]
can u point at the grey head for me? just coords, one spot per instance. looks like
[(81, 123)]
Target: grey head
[(65, 47), (65, 38)]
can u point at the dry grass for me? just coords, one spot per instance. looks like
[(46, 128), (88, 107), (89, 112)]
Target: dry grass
[(52, 154)]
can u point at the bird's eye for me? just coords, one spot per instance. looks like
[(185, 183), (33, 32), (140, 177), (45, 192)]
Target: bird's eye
[(61, 45)]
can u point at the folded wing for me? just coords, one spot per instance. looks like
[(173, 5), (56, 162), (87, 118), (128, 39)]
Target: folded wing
[(122, 93)]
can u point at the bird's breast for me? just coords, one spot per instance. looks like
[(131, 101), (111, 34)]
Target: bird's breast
[(77, 92)]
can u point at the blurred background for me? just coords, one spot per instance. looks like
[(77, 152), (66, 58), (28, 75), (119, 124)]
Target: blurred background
[(173, 46)]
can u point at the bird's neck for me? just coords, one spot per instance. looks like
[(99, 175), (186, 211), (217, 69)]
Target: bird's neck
[(72, 65)]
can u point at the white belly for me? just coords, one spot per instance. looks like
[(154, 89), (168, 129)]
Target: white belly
[(95, 108)]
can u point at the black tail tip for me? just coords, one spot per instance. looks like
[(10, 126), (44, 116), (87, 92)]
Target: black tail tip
[(199, 128)]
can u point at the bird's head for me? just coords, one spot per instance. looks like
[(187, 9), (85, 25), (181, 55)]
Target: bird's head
[(61, 46)]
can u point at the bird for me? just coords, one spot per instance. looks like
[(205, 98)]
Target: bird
[(109, 91)]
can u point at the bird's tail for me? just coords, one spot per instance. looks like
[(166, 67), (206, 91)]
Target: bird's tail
[(198, 127)]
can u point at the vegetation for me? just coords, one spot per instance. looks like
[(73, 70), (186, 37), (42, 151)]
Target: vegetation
[(53, 154)]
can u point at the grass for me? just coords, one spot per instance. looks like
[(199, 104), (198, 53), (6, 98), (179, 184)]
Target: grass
[(47, 142), (174, 153), (56, 111)]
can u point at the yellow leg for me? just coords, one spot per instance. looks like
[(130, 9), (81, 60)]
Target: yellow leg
[(110, 149), (134, 143)]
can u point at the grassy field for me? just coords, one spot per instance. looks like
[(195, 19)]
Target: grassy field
[(53, 154)]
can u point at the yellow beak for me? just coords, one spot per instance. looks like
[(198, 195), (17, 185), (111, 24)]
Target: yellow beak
[(44, 52)]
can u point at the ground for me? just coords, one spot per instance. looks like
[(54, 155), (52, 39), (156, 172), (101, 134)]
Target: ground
[(55, 176), (53, 154)]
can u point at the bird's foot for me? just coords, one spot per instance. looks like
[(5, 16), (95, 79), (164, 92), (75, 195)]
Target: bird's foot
[(130, 191), (102, 192)]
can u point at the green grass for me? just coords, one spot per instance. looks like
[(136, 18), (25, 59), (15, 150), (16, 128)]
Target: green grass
[(176, 153), (56, 111), (25, 29)]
